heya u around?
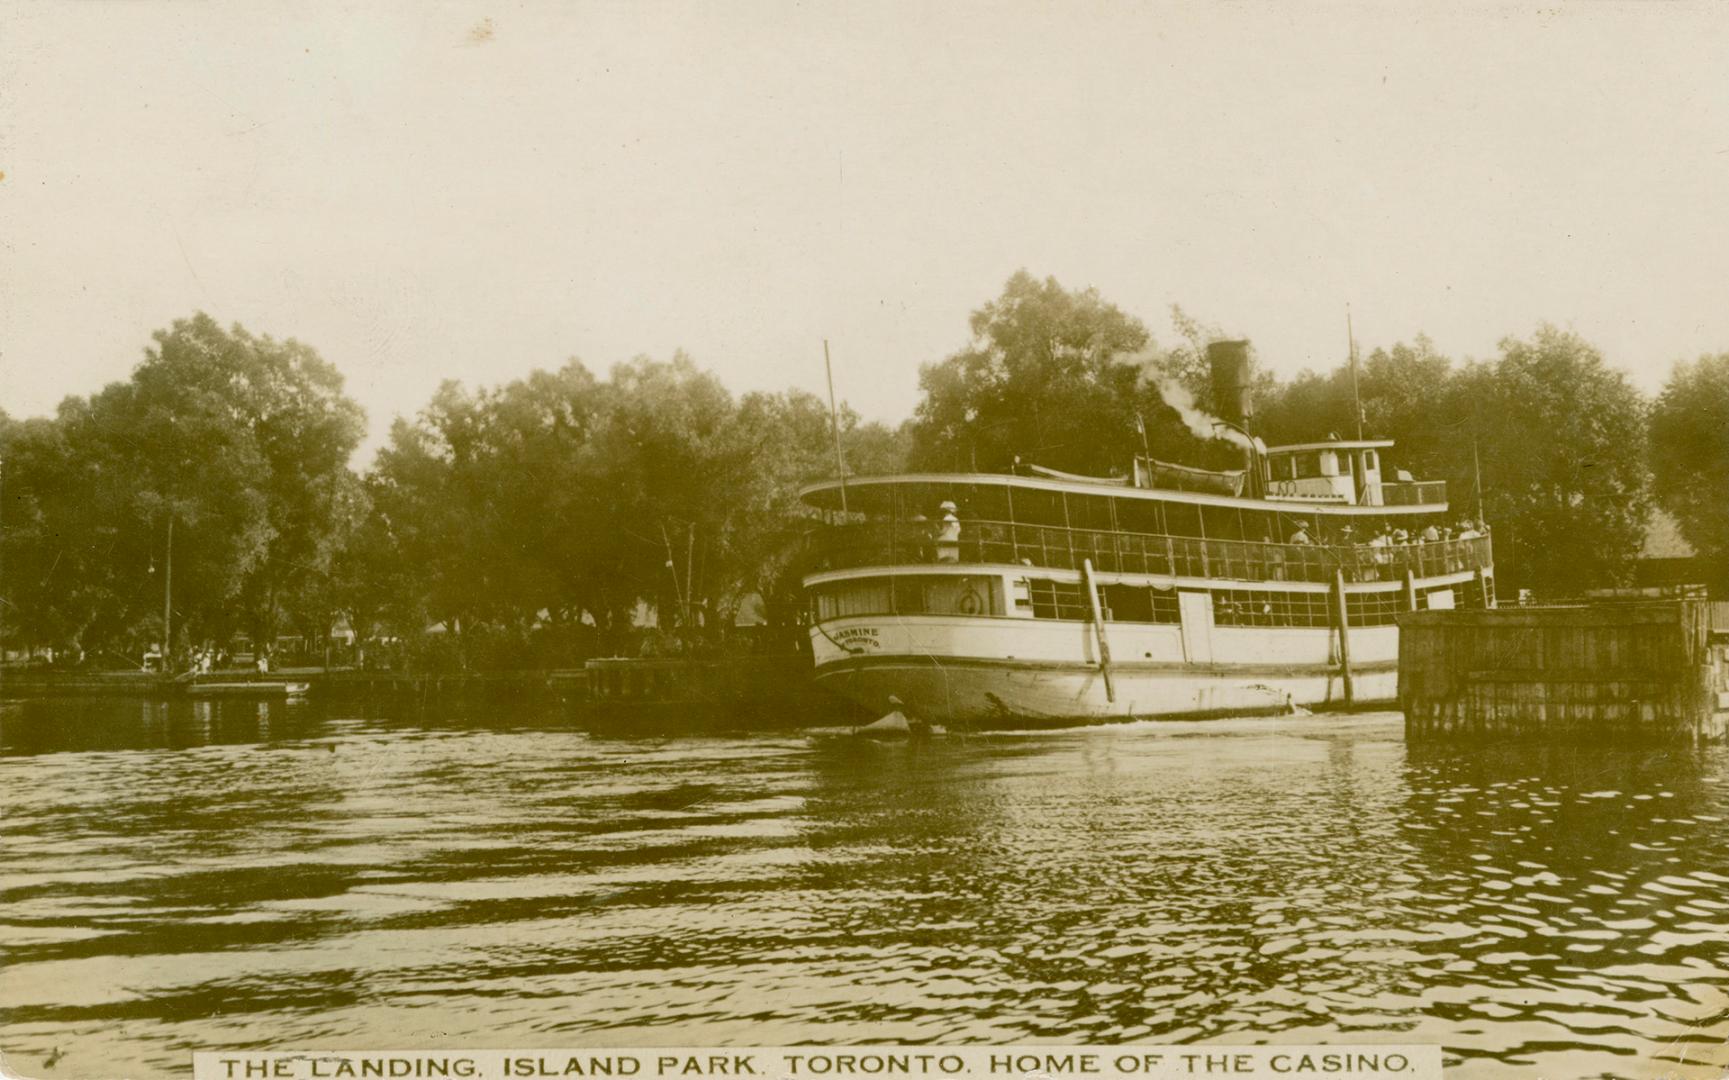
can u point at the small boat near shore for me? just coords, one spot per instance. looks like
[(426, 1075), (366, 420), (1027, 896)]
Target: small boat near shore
[(249, 688)]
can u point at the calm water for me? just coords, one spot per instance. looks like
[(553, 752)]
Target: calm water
[(194, 877)]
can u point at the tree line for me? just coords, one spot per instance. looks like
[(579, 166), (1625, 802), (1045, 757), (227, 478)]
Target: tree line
[(531, 523)]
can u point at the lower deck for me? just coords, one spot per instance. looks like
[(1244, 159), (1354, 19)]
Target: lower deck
[(1018, 644)]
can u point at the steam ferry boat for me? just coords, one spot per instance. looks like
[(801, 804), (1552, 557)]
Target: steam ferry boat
[(1042, 598)]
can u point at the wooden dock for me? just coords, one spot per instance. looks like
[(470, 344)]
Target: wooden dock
[(767, 690), (1650, 672)]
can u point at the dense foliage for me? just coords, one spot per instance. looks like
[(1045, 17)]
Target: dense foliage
[(240, 444), (1690, 454), (1055, 378), (538, 521), (1557, 437), (538, 515)]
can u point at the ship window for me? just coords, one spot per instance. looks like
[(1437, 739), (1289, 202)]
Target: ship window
[(1183, 519), (1090, 512), (989, 502), (1259, 526), (911, 594), (1371, 463), (1057, 599), (1222, 523), (1345, 464), (1139, 604), (955, 594), (842, 599), (1308, 465), (1284, 467), (1374, 609), (1256, 607), (1036, 507), (1138, 516)]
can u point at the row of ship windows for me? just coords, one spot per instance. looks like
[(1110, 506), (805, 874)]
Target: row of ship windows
[(969, 594)]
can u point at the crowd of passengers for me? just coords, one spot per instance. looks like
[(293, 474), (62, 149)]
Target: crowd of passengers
[(1388, 536), (945, 533)]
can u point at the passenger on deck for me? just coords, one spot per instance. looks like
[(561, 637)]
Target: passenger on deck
[(1301, 536), (921, 534), (1430, 535), (1275, 558), (949, 535)]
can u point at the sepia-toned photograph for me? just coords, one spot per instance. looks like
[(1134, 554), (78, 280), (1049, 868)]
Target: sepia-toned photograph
[(941, 541)]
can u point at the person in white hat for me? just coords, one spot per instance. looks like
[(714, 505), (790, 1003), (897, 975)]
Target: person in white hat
[(949, 535)]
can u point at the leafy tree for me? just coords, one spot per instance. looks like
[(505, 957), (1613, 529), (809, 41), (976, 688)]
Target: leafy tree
[(546, 509), (1563, 449), (1690, 455), (1056, 378), (240, 442), (1404, 393), (1557, 436)]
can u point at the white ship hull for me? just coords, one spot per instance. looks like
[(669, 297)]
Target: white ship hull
[(1008, 672)]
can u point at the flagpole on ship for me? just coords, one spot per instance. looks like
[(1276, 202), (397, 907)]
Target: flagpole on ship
[(1356, 396), (834, 424)]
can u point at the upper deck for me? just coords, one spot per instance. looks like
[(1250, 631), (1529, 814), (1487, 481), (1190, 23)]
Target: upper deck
[(1059, 522), (883, 544)]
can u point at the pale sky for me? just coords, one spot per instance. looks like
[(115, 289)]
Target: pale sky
[(472, 191)]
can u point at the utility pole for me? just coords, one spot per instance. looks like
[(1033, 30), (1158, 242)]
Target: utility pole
[(672, 565), (1477, 467), (834, 424), (168, 595), (690, 574)]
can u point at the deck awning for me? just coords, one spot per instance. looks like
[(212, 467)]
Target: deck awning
[(907, 493)]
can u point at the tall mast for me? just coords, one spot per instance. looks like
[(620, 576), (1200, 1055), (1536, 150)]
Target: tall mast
[(1356, 396), (834, 424)]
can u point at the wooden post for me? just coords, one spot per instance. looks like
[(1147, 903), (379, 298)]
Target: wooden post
[(1344, 635), (1099, 629)]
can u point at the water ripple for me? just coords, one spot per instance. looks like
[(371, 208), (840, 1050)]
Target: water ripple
[(226, 878)]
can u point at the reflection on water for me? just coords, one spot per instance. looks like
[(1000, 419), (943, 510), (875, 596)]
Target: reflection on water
[(242, 875)]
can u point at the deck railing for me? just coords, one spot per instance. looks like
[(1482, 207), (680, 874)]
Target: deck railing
[(885, 544), (1414, 493)]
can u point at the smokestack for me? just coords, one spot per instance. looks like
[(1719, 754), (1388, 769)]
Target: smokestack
[(1230, 365), (1229, 361)]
